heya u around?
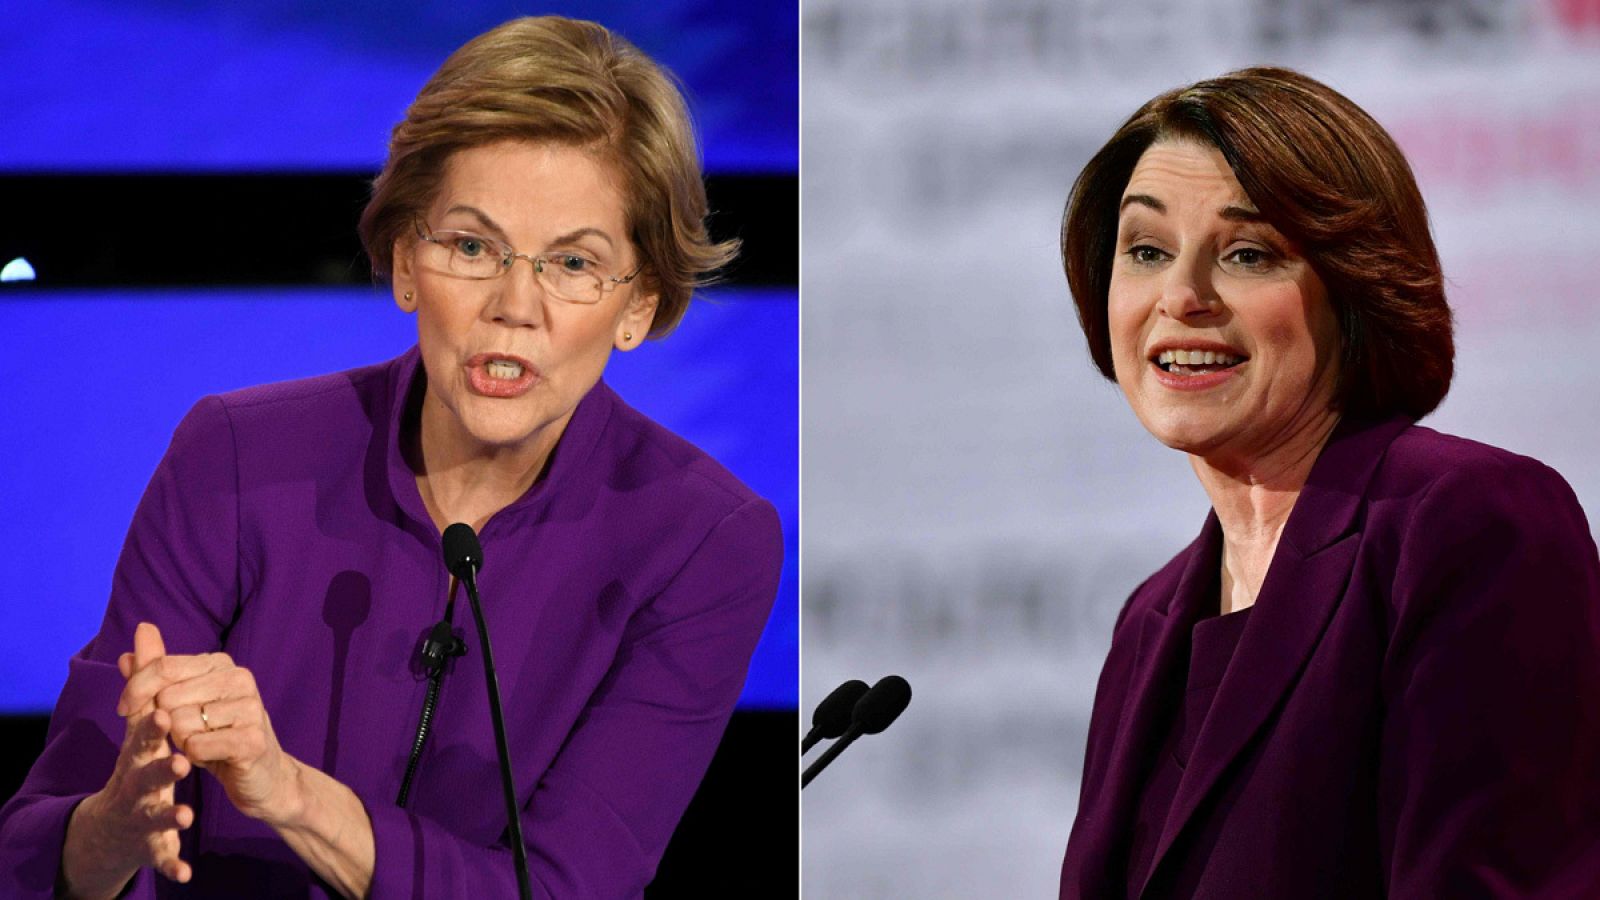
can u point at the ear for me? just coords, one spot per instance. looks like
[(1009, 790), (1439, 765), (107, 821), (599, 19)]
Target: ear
[(402, 276), (634, 324)]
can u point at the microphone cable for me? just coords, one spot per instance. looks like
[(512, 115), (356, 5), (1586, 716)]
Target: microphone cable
[(440, 646)]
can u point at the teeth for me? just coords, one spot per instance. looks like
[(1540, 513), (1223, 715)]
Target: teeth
[(1196, 358), (505, 369)]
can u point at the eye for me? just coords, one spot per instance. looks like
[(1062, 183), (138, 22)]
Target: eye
[(1250, 258), (572, 264), (1145, 255), (470, 246)]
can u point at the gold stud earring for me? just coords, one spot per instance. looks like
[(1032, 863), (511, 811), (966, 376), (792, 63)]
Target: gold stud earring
[(627, 335), (408, 296)]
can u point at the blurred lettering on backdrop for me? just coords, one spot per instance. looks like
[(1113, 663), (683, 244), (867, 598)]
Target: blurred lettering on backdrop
[(979, 503)]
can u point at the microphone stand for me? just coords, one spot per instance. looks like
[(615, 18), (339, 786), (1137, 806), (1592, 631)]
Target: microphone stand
[(834, 749), (519, 850)]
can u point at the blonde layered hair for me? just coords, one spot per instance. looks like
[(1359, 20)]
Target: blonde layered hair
[(548, 78)]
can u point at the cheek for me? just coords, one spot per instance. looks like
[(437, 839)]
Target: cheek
[(1125, 326), (1298, 334)]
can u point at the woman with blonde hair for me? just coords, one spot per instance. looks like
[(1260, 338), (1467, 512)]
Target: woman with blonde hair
[(541, 207)]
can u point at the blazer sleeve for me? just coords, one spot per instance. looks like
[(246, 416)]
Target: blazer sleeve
[(603, 812), (1489, 763), (179, 569)]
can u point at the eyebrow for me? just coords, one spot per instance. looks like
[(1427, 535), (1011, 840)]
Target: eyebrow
[(573, 235), (569, 237), (480, 215), (1142, 200), (1230, 213)]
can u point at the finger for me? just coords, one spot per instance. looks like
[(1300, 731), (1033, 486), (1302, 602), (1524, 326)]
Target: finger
[(233, 746), (175, 869), (162, 773), (188, 721), (147, 645), (147, 735), (227, 683), (167, 817), (144, 684), (125, 665)]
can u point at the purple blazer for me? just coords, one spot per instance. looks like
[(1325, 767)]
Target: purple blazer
[(1413, 709), (624, 593)]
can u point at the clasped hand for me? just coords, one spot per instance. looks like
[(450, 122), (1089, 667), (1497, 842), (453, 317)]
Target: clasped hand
[(209, 710)]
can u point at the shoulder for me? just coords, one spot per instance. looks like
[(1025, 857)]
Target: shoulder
[(693, 535), (645, 456), (311, 399), (1452, 513), (301, 419), (1432, 475), (663, 501), (1424, 457)]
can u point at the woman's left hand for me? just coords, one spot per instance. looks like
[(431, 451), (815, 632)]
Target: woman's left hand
[(220, 724)]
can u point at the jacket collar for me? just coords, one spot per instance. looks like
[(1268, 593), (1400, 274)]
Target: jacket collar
[(1303, 587), (407, 383)]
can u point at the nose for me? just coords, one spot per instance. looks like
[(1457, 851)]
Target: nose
[(1187, 291), (519, 295)]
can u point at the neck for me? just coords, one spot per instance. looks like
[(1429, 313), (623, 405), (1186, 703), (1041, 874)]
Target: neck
[(463, 480), (1253, 499)]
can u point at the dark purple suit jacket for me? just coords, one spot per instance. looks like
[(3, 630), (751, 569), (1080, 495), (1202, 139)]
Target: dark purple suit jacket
[(1413, 709)]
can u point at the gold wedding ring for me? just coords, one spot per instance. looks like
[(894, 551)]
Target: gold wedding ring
[(204, 720)]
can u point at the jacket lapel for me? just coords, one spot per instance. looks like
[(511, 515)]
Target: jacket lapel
[(1304, 584), (1161, 639)]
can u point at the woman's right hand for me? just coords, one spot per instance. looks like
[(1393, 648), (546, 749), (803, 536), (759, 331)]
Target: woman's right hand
[(134, 820)]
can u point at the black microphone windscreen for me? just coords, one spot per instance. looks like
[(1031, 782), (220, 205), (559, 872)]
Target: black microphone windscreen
[(834, 712), (462, 550), (881, 705)]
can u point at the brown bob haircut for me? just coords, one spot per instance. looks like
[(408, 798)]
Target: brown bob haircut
[(548, 78), (1332, 181)]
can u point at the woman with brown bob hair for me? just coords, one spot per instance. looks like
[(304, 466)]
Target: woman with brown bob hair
[(1374, 673), (268, 613)]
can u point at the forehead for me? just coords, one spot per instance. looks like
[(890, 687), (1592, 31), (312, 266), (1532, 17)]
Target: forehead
[(534, 188), (1185, 175)]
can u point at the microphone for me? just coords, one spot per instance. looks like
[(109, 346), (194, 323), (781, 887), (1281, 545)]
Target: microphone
[(832, 715), (876, 710), (437, 648), (463, 556), (441, 644)]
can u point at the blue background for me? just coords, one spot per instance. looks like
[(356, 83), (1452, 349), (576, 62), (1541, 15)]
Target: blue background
[(96, 380), (174, 85)]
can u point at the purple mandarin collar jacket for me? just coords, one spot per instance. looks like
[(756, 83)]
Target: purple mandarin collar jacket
[(1413, 709), (624, 593)]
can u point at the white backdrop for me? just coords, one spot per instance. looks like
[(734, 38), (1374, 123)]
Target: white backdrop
[(977, 501)]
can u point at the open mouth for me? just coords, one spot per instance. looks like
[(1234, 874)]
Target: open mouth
[(1196, 362), (500, 375), (503, 369)]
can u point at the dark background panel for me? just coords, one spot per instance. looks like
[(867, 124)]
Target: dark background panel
[(93, 230)]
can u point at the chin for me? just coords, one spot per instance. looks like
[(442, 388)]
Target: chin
[(500, 430), (1190, 431)]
